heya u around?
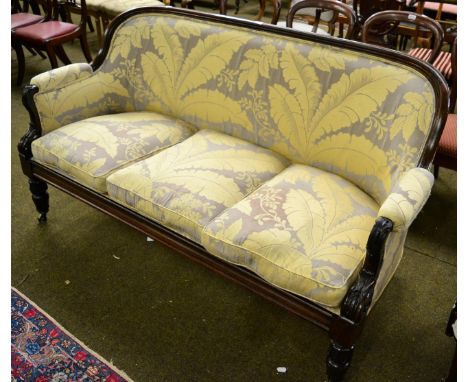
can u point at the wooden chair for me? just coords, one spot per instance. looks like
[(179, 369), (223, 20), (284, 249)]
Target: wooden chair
[(446, 154), (20, 17), (382, 29), (366, 8), (329, 12), (49, 36)]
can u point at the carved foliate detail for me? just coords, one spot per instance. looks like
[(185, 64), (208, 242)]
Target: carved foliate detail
[(359, 297)]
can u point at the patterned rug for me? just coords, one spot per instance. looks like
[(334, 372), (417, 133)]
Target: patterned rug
[(42, 351)]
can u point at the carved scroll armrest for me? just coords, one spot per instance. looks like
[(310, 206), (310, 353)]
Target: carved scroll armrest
[(396, 213), (407, 198), (359, 297)]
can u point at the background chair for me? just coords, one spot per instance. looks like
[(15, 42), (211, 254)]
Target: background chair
[(49, 36), (446, 154), (20, 17), (366, 8), (382, 29), (329, 12), (445, 14)]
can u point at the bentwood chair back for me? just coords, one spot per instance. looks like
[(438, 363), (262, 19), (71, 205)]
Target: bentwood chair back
[(382, 29), (315, 13)]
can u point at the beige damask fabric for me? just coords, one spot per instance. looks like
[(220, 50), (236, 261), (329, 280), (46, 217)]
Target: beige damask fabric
[(187, 185), (305, 231), (90, 150)]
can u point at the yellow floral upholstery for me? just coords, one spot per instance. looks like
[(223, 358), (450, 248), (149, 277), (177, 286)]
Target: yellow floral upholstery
[(90, 150), (354, 115), (304, 231), (357, 116), (60, 77), (187, 185)]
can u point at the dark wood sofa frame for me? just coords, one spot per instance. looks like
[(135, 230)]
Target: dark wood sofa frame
[(343, 329)]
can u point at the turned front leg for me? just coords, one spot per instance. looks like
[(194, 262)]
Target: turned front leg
[(40, 197), (338, 361)]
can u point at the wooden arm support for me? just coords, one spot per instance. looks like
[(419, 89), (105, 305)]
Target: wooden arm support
[(34, 131), (346, 328), (359, 297)]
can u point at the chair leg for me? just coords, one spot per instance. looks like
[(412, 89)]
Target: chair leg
[(261, 10), (40, 53), (35, 52), (62, 55), (99, 30), (40, 197), (52, 58), (85, 48), (21, 62), (90, 23), (338, 361), (31, 50), (343, 335)]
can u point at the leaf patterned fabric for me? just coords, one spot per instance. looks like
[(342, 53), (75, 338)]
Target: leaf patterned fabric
[(60, 77), (187, 185), (345, 112), (90, 150), (304, 231), (342, 118)]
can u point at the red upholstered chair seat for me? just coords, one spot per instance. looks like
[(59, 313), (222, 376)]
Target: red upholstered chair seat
[(449, 8), (434, 6), (442, 62), (448, 141), (19, 20), (45, 31)]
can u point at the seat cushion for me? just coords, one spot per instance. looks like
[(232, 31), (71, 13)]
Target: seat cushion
[(22, 19), (42, 32), (304, 231), (189, 184), (90, 150)]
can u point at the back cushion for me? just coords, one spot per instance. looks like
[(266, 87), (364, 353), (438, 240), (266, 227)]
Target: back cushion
[(358, 116)]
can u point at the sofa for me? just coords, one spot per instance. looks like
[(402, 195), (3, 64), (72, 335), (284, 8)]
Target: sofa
[(291, 163)]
